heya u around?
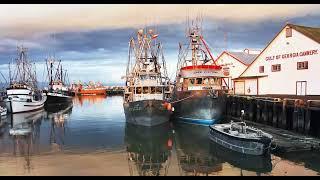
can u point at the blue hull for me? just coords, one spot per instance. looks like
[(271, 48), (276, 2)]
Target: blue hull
[(206, 122)]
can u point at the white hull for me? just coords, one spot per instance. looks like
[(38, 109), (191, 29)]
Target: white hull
[(14, 106)]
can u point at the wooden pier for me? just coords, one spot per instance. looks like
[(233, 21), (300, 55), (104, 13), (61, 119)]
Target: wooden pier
[(294, 122)]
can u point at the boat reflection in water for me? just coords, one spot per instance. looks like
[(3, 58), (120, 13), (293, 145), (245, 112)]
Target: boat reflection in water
[(58, 119), (193, 151), (25, 132), (80, 100), (148, 149), (258, 164)]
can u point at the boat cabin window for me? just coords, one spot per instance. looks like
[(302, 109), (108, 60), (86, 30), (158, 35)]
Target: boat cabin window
[(153, 90), (142, 77), (205, 81), (191, 81), (159, 90), (138, 90), (199, 80), (145, 90), (131, 89), (214, 81), (166, 88), (153, 77)]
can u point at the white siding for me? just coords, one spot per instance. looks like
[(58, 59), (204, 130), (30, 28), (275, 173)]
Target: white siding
[(235, 67), (251, 87), (284, 81), (239, 87)]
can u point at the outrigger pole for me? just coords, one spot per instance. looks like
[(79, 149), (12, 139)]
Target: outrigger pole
[(205, 45)]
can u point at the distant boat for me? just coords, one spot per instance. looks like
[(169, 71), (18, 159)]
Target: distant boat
[(239, 137), (23, 94), (89, 89), (147, 91), (58, 92)]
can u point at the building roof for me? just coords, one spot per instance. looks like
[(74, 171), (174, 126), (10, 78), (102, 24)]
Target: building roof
[(311, 32), (243, 57)]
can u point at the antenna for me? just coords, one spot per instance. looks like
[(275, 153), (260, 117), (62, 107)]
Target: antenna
[(225, 40)]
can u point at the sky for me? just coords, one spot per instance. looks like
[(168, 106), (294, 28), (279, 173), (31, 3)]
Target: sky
[(92, 40)]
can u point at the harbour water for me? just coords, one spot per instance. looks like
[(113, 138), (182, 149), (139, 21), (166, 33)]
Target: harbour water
[(92, 138)]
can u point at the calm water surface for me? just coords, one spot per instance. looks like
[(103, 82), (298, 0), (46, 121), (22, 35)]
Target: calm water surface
[(92, 138)]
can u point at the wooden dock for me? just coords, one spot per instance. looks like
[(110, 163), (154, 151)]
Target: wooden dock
[(294, 122)]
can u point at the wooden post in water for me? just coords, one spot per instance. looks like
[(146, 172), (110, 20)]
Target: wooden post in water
[(295, 115), (265, 113), (307, 120), (238, 107), (258, 111), (284, 114), (301, 116), (251, 109), (274, 114)]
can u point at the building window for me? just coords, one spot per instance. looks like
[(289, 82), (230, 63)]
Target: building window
[(288, 32), (276, 67), (261, 69), (302, 65)]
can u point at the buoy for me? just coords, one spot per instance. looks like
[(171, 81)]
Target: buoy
[(169, 143), (165, 105), (169, 106)]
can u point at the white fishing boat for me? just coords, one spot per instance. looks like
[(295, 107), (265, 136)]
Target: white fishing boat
[(22, 93), (147, 90)]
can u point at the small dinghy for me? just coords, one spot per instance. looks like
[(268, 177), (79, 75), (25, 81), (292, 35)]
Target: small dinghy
[(239, 137)]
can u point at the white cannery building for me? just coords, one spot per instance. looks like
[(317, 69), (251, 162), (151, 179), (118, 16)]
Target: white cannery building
[(289, 65), (234, 63)]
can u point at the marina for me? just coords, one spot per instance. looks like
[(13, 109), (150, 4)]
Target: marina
[(161, 98), (65, 142)]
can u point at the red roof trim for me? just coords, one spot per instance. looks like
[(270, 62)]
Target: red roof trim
[(202, 67)]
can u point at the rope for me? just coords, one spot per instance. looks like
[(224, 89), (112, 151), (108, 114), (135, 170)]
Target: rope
[(182, 99)]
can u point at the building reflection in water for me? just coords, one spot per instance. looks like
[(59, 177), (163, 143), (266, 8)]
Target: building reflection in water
[(91, 99), (148, 149), (193, 151)]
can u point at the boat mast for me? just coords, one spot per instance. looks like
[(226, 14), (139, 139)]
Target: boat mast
[(51, 80)]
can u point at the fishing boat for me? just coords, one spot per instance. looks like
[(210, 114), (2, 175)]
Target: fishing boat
[(23, 94), (147, 90), (198, 92), (58, 92), (90, 89), (239, 137)]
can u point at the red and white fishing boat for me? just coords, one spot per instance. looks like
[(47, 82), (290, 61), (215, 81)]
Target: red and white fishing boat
[(198, 94)]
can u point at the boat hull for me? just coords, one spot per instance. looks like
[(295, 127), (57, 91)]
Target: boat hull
[(146, 112), (101, 91), (23, 106), (242, 145), (201, 108), (57, 99)]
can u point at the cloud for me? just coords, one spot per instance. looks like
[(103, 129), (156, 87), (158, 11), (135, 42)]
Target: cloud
[(34, 18)]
